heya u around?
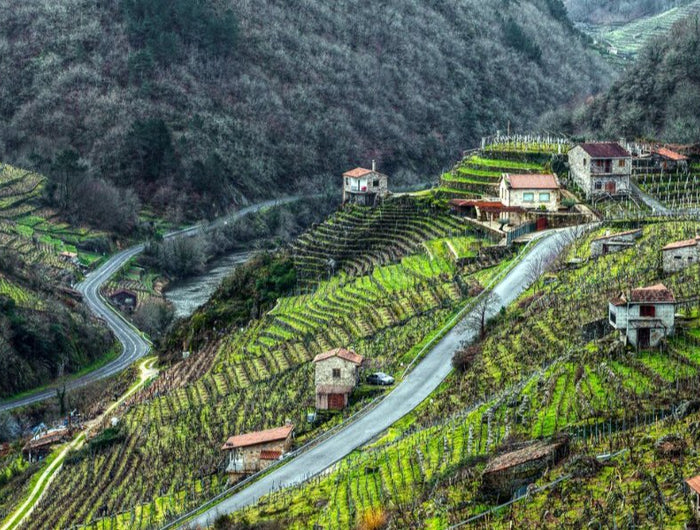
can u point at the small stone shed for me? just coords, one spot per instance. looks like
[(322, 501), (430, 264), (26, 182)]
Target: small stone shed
[(680, 254), (644, 317), (254, 451), (610, 243), (506, 473), (694, 485), (337, 374)]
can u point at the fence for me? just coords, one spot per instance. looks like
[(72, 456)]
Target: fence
[(523, 229)]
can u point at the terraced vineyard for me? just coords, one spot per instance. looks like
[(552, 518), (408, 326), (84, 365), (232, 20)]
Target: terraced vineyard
[(168, 457), (478, 174), (678, 190), (534, 376)]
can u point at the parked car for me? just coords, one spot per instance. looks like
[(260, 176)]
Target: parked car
[(380, 378)]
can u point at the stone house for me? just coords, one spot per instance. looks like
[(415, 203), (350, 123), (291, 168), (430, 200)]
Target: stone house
[(337, 374), (253, 452), (645, 317), (681, 254), (694, 485), (364, 186), (530, 191), (506, 473), (601, 168), (124, 299), (668, 160), (610, 243)]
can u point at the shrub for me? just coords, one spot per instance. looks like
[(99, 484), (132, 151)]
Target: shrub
[(372, 519)]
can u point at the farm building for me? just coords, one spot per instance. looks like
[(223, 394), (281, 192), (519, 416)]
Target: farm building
[(43, 441), (124, 299), (506, 473), (486, 211), (610, 243), (645, 317), (254, 451), (601, 168), (337, 374), (364, 186), (669, 160), (530, 191), (694, 485), (680, 254)]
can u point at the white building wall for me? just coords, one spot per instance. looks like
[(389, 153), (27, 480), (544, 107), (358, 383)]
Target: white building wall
[(676, 259)]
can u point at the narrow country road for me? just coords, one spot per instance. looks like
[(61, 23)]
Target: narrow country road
[(134, 346), (407, 395)]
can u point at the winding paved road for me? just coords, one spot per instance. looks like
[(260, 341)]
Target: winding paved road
[(406, 396), (134, 345)]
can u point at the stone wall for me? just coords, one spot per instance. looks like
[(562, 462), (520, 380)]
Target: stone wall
[(679, 258), (324, 372)]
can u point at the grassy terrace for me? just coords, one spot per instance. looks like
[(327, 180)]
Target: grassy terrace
[(533, 376), (168, 457)]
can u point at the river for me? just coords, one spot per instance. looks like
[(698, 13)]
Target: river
[(188, 294)]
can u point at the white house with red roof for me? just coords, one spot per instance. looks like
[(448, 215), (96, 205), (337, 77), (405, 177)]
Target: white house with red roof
[(530, 191), (254, 451), (645, 317), (680, 254), (364, 186), (337, 374), (601, 168)]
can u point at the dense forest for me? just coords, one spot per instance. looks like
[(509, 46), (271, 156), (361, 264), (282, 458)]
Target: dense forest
[(657, 97), (194, 105), (616, 11)]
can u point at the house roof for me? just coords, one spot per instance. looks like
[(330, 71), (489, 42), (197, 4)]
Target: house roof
[(694, 483), (348, 355), (681, 244), (605, 150), (259, 437), (530, 453), (619, 300), (619, 234), (532, 182), (487, 206), (658, 293), (672, 155), (357, 172)]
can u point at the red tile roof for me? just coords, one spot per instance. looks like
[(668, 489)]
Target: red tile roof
[(605, 150), (357, 172), (672, 155), (530, 453), (348, 355), (532, 182), (257, 438), (694, 483), (626, 233), (681, 244), (658, 293), (619, 300)]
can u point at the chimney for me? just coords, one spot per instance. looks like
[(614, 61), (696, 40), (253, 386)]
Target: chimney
[(374, 165)]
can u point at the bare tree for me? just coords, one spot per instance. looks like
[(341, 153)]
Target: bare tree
[(486, 306)]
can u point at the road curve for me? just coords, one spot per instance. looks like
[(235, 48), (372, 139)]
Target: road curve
[(406, 396), (134, 345)]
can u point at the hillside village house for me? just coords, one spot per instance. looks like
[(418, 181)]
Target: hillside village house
[(645, 317), (530, 191), (364, 186), (694, 485), (337, 374), (681, 254), (610, 243), (601, 168), (253, 452)]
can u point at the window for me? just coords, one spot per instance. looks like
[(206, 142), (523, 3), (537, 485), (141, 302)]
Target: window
[(584, 161), (598, 185), (621, 163), (677, 257), (613, 317), (375, 183), (647, 311), (528, 197), (544, 197), (347, 181), (336, 373)]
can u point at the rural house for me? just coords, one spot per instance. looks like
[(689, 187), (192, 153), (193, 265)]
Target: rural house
[(506, 473), (694, 485), (645, 317), (681, 254), (610, 243), (253, 452), (124, 299), (530, 191), (364, 186), (337, 374), (667, 160), (601, 168)]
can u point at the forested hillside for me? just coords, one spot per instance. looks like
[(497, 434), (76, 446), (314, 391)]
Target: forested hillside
[(228, 99), (657, 96), (616, 11)]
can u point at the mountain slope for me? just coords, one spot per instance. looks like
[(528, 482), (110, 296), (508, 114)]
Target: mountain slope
[(288, 94)]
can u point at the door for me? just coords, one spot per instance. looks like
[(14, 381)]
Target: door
[(605, 249), (643, 336), (336, 401), (541, 224), (610, 187)]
